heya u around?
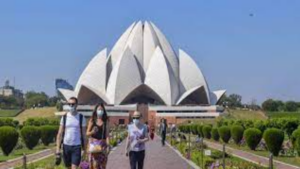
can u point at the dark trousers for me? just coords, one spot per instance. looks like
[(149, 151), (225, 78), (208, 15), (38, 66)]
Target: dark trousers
[(137, 159), (163, 138)]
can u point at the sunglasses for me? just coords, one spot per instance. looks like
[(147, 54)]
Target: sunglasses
[(135, 117), (72, 104)]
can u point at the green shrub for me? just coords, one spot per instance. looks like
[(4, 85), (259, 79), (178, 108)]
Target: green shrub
[(237, 133), (252, 137), (215, 134), (39, 121), (274, 139), (224, 133), (194, 129), (298, 145), (48, 134), (206, 130), (260, 125), (8, 139), (31, 136), (295, 135), (199, 129), (7, 122)]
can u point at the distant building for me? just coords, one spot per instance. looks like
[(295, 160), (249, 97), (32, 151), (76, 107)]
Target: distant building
[(8, 90), (63, 84)]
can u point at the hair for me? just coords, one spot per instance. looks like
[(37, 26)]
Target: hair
[(74, 98), (104, 116)]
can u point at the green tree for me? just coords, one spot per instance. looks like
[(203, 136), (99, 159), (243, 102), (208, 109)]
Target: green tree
[(34, 99), (272, 105), (291, 106)]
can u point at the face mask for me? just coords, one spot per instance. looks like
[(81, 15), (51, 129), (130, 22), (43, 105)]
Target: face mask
[(136, 121), (99, 113), (72, 109)]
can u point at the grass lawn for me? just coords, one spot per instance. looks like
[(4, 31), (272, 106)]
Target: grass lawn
[(234, 114), (47, 163), (9, 113), (244, 115), (19, 152), (47, 112), (284, 114)]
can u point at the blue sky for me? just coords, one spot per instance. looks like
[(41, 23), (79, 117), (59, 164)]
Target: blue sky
[(256, 56)]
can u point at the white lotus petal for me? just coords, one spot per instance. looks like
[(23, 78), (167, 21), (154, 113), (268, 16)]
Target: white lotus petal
[(190, 74), (124, 78), (215, 96), (160, 79)]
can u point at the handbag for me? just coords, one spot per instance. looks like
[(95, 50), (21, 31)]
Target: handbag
[(96, 148)]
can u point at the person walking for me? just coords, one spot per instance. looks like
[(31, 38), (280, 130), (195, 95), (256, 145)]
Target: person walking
[(98, 133), (163, 131), (71, 136), (135, 145)]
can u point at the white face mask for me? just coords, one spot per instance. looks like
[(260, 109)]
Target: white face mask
[(72, 109), (99, 113), (136, 121)]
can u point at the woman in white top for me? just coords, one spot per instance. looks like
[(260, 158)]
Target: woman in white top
[(137, 137)]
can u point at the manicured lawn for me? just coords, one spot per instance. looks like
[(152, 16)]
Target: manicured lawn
[(9, 113), (19, 152), (244, 115), (284, 114), (47, 112), (47, 163)]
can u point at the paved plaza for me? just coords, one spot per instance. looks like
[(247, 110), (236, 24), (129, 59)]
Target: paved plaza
[(157, 157)]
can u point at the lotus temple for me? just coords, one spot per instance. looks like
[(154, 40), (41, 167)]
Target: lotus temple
[(143, 72)]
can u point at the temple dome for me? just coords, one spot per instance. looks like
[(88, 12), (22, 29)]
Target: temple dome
[(142, 67)]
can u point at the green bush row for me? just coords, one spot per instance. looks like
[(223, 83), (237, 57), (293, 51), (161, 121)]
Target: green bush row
[(39, 121), (273, 137), (31, 135), (8, 122)]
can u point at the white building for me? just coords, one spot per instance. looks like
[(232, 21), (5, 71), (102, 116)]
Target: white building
[(142, 67)]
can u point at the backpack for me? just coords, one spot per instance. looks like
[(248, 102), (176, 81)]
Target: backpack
[(64, 127)]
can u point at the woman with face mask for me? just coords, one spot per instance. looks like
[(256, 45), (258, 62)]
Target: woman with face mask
[(137, 137), (98, 133)]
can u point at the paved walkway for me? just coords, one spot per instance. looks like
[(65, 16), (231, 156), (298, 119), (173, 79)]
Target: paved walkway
[(250, 157), (157, 157)]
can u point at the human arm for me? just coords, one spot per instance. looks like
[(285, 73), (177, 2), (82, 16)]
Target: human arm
[(127, 145), (146, 138), (107, 137), (58, 138), (89, 131)]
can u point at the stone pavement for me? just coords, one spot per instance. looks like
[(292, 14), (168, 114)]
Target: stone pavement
[(157, 157), (250, 156)]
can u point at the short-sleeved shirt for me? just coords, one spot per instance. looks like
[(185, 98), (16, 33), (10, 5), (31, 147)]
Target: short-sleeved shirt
[(135, 134), (72, 130)]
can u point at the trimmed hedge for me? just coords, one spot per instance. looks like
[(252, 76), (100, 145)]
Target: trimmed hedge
[(199, 129), (237, 133), (31, 136), (39, 121), (253, 137), (224, 133), (48, 134), (298, 145), (295, 135), (215, 134), (274, 139), (206, 130), (8, 139), (8, 122)]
